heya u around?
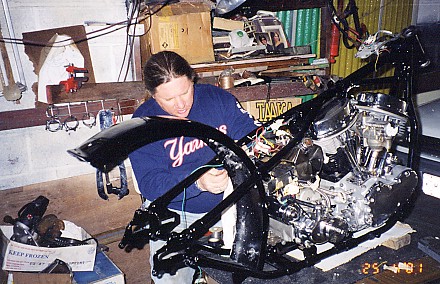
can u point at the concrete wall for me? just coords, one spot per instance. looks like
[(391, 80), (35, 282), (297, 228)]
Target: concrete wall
[(32, 15), (33, 155)]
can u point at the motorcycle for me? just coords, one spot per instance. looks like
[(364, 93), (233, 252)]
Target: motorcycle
[(324, 172)]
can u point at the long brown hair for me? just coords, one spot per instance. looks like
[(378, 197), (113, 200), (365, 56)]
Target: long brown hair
[(164, 66)]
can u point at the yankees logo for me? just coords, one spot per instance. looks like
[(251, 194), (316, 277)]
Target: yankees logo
[(179, 149)]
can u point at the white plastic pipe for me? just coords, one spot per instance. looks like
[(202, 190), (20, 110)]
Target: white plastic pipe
[(16, 54)]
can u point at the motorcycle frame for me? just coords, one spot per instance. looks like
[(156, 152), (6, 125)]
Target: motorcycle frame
[(250, 255)]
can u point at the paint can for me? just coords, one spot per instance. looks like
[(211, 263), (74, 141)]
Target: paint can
[(226, 82)]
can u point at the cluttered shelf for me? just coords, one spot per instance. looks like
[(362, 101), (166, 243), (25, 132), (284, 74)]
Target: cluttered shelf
[(98, 92), (282, 72), (208, 73), (125, 96), (245, 53)]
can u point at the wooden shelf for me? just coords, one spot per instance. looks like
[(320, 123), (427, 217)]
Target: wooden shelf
[(259, 63), (124, 98), (252, 6), (96, 91), (136, 91)]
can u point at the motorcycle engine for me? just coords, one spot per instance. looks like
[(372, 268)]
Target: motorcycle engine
[(344, 177)]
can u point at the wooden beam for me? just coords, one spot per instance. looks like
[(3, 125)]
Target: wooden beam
[(266, 63), (135, 90), (127, 95), (274, 90), (96, 91)]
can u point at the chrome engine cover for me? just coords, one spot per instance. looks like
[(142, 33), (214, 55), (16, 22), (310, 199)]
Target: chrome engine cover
[(360, 183)]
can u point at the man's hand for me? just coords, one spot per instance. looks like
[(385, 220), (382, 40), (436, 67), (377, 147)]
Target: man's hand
[(214, 181)]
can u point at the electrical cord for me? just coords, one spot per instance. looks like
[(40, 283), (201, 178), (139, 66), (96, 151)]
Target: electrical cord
[(134, 15), (126, 24), (184, 199), (341, 23)]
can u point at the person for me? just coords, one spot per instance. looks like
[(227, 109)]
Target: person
[(172, 91), (263, 40), (278, 45)]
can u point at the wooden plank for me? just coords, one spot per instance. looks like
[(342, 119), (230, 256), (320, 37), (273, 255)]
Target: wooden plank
[(283, 61), (295, 68), (399, 242), (275, 90), (135, 90), (96, 91), (113, 95)]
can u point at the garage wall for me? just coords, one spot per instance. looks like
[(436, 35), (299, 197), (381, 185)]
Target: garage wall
[(33, 155), (428, 11), (32, 15)]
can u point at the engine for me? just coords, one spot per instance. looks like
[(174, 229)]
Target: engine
[(343, 177)]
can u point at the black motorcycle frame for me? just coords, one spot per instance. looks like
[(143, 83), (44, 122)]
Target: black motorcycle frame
[(251, 255)]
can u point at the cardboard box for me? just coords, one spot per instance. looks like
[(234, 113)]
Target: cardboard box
[(21, 257), (184, 28), (104, 272), (39, 278), (266, 110)]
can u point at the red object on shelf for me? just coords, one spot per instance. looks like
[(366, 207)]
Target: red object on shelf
[(73, 83)]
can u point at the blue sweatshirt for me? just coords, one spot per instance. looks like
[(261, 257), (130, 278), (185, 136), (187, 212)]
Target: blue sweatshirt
[(161, 165)]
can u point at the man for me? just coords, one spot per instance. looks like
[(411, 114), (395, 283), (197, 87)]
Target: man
[(169, 81)]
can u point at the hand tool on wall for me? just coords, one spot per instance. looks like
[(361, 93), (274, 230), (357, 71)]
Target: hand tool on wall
[(73, 83)]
